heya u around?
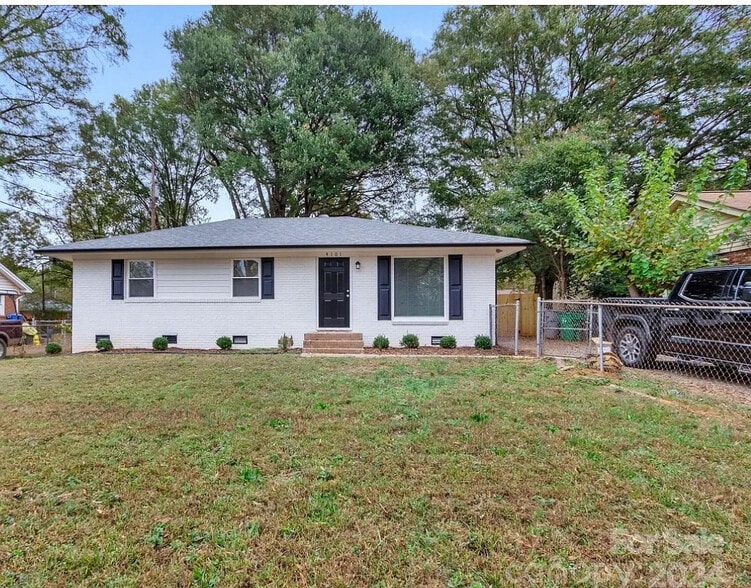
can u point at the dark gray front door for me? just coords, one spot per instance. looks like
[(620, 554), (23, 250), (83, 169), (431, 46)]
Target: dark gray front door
[(333, 293)]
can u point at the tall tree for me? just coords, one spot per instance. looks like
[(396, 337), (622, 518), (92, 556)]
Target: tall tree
[(504, 76), (119, 151), (531, 203), (45, 60), (302, 109), (637, 236)]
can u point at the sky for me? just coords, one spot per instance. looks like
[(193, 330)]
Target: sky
[(150, 60)]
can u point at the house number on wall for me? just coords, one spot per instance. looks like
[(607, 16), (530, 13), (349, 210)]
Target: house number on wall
[(333, 254)]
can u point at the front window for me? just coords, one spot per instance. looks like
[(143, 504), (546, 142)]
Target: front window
[(141, 279), (706, 286), (418, 287), (245, 279)]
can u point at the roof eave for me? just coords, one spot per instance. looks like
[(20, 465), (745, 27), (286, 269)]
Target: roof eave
[(23, 287), (72, 250)]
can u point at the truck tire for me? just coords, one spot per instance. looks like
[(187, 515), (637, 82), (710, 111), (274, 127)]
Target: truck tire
[(3, 349), (633, 347)]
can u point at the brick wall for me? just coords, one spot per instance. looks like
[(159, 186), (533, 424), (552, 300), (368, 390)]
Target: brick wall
[(193, 301), (738, 257)]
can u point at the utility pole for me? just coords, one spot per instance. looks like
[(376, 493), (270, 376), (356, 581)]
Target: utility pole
[(152, 206), (44, 298)]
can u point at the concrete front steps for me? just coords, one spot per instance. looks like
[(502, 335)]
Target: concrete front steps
[(332, 342)]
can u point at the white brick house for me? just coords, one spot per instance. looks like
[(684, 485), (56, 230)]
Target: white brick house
[(255, 279)]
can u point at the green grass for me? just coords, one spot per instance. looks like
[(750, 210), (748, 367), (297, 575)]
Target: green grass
[(212, 470)]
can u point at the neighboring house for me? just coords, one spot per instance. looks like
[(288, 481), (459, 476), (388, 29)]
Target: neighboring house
[(11, 289), (727, 211), (255, 279)]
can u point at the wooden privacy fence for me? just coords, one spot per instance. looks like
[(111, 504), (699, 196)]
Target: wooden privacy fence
[(527, 313)]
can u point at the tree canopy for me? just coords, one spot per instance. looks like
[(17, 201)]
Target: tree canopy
[(46, 55), (120, 148), (637, 236), (506, 76), (303, 109)]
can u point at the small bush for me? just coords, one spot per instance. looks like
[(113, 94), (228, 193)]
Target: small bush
[(160, 343), (381, 342), (53, 348), (224, 343), (483, 342), (104, 345), (448, 342), (285, 342), (410, 341)]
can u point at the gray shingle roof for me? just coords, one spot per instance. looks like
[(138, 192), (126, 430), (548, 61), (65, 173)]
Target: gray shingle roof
[(273, 233)]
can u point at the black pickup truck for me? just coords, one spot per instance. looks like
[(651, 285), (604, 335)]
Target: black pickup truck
[(706, 319), (11, 328)]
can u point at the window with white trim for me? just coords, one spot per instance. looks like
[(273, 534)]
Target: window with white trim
[(246, 280), (419, 287), (141, 279)]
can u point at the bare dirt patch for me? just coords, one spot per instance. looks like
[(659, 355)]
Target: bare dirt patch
[(724, 388)]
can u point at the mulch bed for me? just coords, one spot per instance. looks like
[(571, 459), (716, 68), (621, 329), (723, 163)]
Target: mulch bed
[(182, 350), (438, 351), (459, 351)]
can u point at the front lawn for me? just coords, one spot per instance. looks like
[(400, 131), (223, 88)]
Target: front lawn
[(207, 470)]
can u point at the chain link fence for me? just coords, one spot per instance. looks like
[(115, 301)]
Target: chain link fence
[(712, 339), (504, 327), (566, 328), (38, 333)]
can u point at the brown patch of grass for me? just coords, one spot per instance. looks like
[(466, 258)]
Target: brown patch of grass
[(238, 469)]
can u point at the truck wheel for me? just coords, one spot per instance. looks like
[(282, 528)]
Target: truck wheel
[(632, 346), (3, 349)]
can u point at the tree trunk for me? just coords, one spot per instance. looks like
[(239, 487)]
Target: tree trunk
[(544, 283), (632, 291)]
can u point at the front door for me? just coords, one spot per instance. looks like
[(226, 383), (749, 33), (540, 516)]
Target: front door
[(333, 293)]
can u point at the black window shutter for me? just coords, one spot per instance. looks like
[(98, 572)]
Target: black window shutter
[(455, 288), (118, 278), (267, 277), (384, 288)]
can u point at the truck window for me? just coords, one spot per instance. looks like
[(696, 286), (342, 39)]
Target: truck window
[(706, 286), (738, 285)]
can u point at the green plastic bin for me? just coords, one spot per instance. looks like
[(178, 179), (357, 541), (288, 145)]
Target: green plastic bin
[(571, 323)]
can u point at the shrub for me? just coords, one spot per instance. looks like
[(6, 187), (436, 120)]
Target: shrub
[(448, 342), (104, 345), (285, 342), (53, 348), (381, 342), (410, 341), (483, 342), (224, 343), (160, 343)]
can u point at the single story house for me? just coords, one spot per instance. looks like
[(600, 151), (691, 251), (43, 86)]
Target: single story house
[(727, 209), (256, 279), (12, 288)]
